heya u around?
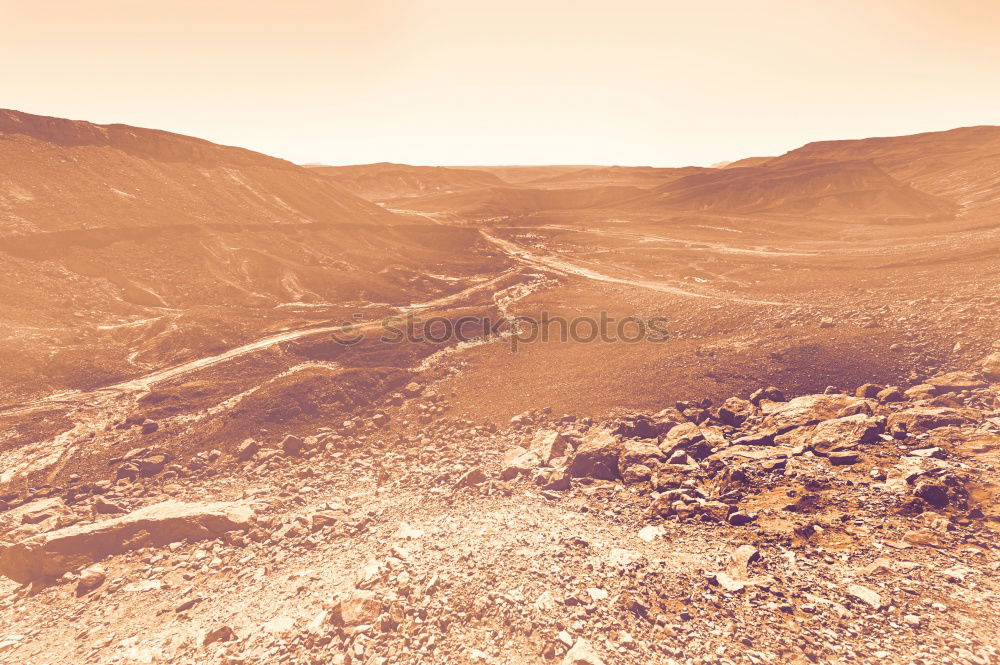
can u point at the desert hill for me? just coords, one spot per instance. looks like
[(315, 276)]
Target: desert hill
[(500, 201), (123, 247), (517, 175), (116, 176), (824, 188), (636, 176), (746, 161), (959, 164), (384, 181)]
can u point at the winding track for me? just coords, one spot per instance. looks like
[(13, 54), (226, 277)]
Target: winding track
[(546, 262), (562, 266), (145, 382)]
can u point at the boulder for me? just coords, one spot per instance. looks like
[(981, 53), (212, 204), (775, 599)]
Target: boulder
[(735, 411), (582, 654), (360, 607), (639, 452), (90, 578), (644, 427), (866, 595), (863, 407), (891, 394), (923, 419), (932, 491), (152, 465), (247, 450), (597, 456), (843, 433), (868, 390), (921, 391), (220, 634), (292, 445), (668, 418), (472, 477), (991, 366), (558, 481), (63, 550), (843, 457), (105, 507), (714, 436), (771, 394), (954, 382), (324, 518), (548, 445), (805, 410), (518, 462), (636, 473), (681, 436)]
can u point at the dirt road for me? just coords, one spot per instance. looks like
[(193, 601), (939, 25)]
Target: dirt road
[(145, 382), (562, 266)]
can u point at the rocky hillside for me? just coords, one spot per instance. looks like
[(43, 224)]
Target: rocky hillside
[(122, 177), (958, 164), (124, 249), (843, 527)]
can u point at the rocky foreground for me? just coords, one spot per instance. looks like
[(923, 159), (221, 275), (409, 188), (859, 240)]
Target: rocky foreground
[(843, 527)]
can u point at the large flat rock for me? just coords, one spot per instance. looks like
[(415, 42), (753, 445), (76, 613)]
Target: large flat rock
[(56, 552), (805, 410)]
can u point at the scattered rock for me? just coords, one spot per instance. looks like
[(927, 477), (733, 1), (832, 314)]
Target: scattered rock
[(360, 607), (865, 594), (597, 456), (472, 477), (956, 382), (891, 394), (582, 654), (292, 445), (104, 507), (247, 450), (991, 366), (220, 634), (868, 391), (91, 577), (518, 462), (56, 552), (548, 445)]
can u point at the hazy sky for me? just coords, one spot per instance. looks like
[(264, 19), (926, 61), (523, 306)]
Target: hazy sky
[(533, 81)]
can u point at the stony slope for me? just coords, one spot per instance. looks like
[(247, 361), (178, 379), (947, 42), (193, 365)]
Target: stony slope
[(841, 528), (66, 175), (123, 249), (959, 164)]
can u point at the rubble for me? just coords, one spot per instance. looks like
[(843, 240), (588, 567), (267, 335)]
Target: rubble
[(818, 529)]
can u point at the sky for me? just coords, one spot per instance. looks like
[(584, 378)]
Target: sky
[(629, 82)]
